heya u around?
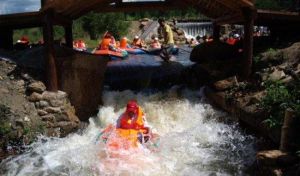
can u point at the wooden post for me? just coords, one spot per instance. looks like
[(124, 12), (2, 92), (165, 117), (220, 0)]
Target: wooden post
[(287, 140), (51, 74), (69, 35), (216, 32), (248, 42), (6, 39)]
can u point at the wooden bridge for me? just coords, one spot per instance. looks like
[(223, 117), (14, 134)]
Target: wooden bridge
[(63, 12)]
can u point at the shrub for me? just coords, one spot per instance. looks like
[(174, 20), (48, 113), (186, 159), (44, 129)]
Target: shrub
[(280, 97)]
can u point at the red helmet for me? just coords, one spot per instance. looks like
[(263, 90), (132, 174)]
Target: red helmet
[(132, 106)]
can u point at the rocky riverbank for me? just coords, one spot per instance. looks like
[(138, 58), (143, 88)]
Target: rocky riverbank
[(28, 110), (260, 102)]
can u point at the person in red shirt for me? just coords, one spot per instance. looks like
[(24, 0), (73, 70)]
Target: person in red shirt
[(133, 118)]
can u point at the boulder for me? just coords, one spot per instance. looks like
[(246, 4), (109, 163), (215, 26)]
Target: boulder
[(276, 75), (211, 51), (275, 158), (59, 95), (37, 87), (34, 97), (67, 127), (226, 83)]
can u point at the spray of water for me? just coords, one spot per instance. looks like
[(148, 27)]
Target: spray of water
[(192, 142)]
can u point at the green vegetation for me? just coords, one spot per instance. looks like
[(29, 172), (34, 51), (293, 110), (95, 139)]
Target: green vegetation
[(5, 127), (275, 4), (280, 97)]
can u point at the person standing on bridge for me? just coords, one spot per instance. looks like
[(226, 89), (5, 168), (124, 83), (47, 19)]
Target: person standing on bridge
[(168, 44)]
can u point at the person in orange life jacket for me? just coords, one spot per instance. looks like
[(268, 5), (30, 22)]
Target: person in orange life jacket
[(80, 45), (123, 43), (108, 43), (137, 42), (133, 118), (155, 43)]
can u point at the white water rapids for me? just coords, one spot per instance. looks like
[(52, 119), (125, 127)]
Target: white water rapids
[(192, 142)]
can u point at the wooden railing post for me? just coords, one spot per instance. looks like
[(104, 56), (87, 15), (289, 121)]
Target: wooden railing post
[(216, 32), (69, 35), (6, 38), (51, 74), (287, 140), (249, 15)]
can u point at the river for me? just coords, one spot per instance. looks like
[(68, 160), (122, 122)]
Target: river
[(192, 142)]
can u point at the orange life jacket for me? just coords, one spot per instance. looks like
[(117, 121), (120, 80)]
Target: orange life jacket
[(231, 41), (105, 43), (123, 43)]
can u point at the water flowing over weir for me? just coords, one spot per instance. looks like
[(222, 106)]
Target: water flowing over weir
[(193, 29), (192, 142)]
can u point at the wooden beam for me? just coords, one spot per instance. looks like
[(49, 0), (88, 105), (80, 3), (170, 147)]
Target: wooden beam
[(229, 19), (141, 6), (230, 5), (81, 9), (247, 3), (21, 20), (51, 74)]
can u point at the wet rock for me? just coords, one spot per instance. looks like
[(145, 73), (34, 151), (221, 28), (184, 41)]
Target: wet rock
[(53, 109), (226, 83), (54, 132), (37, 87), (34, 97), (67, 127), (70, 113), (42, 112)]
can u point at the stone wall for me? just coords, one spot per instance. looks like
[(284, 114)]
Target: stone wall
[(54, 109)]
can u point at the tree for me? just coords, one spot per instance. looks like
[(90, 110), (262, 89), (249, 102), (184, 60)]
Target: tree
[(96, 24)]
